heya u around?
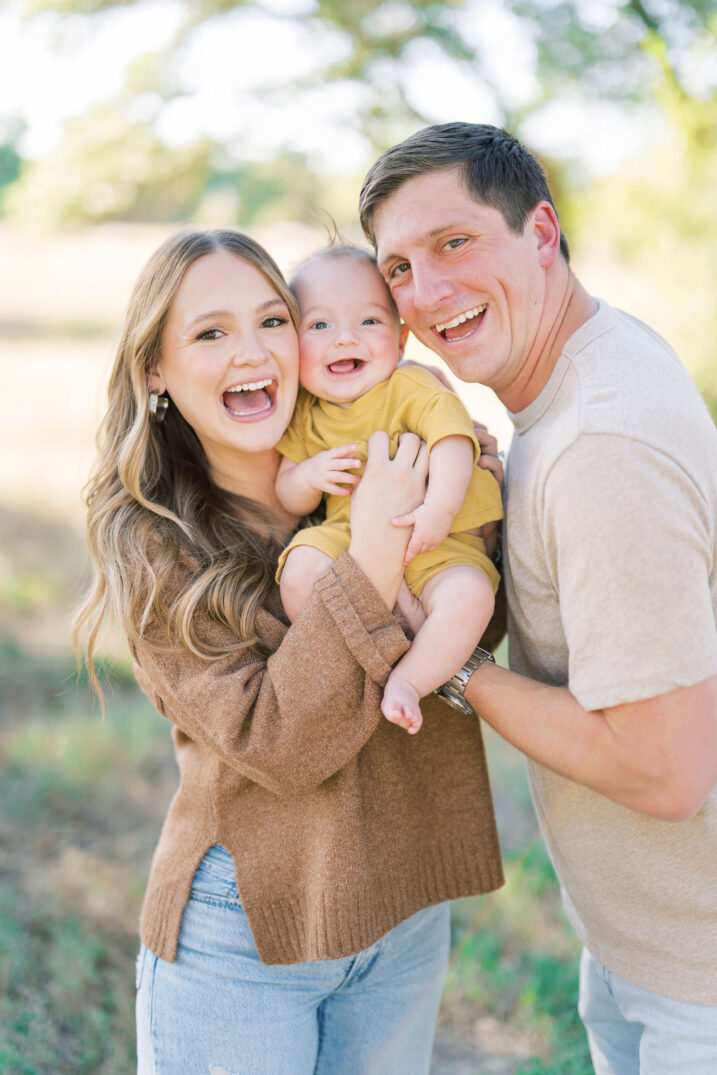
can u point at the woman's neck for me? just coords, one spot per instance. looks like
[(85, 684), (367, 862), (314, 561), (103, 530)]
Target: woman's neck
[(252, 476)]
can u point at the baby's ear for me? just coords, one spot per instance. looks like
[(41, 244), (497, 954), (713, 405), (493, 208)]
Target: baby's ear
[(402, 337)]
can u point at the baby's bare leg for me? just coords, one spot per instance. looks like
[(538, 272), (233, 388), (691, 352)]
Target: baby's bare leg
[(302, 568), (459, 605)]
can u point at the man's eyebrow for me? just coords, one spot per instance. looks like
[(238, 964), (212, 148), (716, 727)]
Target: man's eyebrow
[(432, 234), (208, 315)]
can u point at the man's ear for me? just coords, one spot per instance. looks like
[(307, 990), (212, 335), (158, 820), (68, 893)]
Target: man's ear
[(547, 232), (155, 382), (402, 337)]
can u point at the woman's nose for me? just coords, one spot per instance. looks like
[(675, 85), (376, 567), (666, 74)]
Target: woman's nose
[(249, 351)]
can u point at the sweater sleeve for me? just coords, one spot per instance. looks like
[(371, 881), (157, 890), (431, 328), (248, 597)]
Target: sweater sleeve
[(291, 721)]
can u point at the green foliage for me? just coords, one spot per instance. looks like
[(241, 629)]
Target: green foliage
[(110, 167), (654, 222), (113, 167)]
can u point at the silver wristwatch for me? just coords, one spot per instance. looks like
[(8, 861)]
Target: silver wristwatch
[(453, 691)]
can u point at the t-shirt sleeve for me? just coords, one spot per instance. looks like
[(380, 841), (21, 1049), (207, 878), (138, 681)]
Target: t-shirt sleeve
[(630, 544), (293, 444), (441, 413)]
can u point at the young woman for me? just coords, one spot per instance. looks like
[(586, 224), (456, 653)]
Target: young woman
[(295, 918)]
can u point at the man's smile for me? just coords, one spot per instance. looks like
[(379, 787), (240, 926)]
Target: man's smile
[(443, 327)]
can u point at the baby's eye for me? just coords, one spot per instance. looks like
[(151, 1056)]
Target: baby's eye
[(370, 321), (274, 321), (211, 334), (319, 324), (400, 269)]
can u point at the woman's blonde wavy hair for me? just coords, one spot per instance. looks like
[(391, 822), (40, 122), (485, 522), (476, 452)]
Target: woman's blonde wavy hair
[(151, 501)]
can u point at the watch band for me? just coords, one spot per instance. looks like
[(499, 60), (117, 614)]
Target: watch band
[(453, 691)]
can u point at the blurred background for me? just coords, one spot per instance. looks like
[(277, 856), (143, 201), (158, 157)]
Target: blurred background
[(122, 121)]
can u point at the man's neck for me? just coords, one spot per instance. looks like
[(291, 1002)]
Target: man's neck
[(567, 307)]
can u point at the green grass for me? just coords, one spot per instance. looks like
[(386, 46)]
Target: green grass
[(81, 802), (65, 1005), (515, 959)]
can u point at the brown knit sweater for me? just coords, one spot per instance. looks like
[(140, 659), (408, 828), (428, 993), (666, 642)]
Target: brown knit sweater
[(340, 824)]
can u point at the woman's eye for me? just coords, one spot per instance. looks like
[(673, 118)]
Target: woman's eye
[(274, 321), (455, 243), (400, 269), (210, 334)]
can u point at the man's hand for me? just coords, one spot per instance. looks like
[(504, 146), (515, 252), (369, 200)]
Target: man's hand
[(490, 458), (327, 471)]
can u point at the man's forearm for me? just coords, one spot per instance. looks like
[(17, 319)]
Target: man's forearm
[(657, 756)]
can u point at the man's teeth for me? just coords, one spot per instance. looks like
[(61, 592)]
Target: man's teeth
[(252, 386), (467, 316)]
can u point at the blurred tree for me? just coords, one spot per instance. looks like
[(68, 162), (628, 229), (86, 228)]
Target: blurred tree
[(654, 223), (11, 131), (108, 167), (599, 49)]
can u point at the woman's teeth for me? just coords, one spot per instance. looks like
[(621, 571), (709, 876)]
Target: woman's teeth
[(456, 321), (252, 386), (251, 397)]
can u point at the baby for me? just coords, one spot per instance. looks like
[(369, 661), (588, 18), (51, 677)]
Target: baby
[(350, 344)]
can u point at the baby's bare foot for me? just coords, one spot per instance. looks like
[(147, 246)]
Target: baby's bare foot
[(400, 704)]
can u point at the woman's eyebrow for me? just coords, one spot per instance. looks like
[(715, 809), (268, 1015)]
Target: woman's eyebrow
[(208, 315)]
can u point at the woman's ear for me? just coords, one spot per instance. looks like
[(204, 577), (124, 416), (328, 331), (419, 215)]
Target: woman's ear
[(155, 382), (402, 337)]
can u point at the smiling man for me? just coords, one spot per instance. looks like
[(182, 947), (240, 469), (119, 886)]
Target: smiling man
[(611, 576)]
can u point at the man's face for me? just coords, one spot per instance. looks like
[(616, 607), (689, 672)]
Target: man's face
[(465, 284)]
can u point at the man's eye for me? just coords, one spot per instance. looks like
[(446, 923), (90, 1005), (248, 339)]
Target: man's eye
[(274, 321), (454, 243), (400, 269)]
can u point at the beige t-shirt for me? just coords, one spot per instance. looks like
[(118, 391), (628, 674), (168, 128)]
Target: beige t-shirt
[(611, 577)]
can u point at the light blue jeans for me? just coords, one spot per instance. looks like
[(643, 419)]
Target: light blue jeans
[(632, 1031), (218, 1010)]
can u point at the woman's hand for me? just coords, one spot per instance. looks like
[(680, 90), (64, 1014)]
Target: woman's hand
[(389, 487)]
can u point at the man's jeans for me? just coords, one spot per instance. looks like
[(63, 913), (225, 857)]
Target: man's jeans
[(218, 1010), (632, 1031)]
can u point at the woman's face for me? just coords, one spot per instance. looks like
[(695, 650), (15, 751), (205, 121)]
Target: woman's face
[(229, 359)]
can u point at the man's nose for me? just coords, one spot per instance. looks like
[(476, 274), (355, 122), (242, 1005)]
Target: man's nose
[(430, 288)]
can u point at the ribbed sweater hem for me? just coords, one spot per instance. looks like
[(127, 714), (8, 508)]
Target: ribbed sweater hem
[(333, 925)]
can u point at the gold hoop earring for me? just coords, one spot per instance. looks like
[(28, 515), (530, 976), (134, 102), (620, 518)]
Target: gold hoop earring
[(157, 406)]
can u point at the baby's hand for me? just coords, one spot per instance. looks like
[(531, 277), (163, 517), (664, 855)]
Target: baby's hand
[(431, 526), (326, 471)]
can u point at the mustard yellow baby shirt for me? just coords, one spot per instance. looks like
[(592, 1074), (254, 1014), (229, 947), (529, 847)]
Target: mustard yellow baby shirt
[(410, 401)]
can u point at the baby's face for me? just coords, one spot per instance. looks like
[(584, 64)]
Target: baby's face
[(348, 328)]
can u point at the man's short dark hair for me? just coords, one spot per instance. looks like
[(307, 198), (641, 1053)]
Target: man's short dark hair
[(496, 168)]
